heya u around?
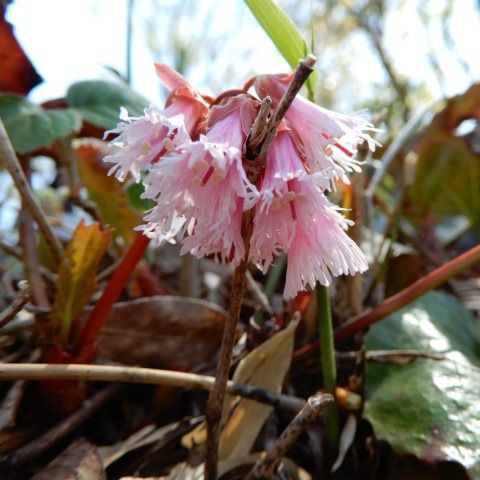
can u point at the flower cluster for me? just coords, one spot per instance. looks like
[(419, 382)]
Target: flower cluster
[(189, 158)]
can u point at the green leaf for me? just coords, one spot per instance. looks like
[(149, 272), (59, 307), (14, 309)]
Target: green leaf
[(283, 33), (76, 275), (428, 408), (134, 194), (106, 191), (99, 102), (30, 127)]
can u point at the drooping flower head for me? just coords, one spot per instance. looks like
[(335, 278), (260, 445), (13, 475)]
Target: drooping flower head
[(191, 157), (293, 215), (205, 184), (329, 139)]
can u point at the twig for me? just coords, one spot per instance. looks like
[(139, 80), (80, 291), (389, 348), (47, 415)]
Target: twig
[(110, 373), (259, 294), (30, 260), (401, 357), (395, 147), (409, 294), (11, 250), (24, 295), (11, 163), (268, 464), (50, 438), (258, 141)]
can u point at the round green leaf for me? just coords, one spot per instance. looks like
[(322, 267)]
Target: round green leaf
[(428, 408), (30, 127), (99, 102)]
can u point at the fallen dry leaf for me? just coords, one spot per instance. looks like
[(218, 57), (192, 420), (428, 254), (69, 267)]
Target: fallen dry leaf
[(79, 461), (264, 367), (168, 332)]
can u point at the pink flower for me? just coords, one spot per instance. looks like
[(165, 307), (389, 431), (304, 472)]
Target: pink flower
[(329, 139), (293, 215), (204, 184), (142, 141)]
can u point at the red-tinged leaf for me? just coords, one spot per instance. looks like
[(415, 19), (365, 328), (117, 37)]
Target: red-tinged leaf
[(76, 275), (107, 192), (447, 174), (17, 74)]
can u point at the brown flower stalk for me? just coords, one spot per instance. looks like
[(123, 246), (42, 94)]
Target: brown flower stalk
[(259, 140)]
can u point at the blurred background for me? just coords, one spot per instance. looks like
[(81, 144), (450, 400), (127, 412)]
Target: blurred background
[(398, 55)]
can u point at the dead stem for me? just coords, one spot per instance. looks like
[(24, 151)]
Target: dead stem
[(267, 465), (24, 295), (31, 263), (151, 376), (11, 163), (52, 437), (261, 136)]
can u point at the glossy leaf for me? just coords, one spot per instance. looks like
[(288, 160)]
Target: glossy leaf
[(283, 33), (99, 102), (31, 127), (428, 408), (109, 194), (76, 275)]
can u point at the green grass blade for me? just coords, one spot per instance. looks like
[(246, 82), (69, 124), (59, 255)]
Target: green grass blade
[(283, 33)]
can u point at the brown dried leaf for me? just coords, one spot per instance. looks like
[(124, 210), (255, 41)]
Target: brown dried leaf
[(79, 460), (146, 436), (10, 405), (264, 367), (162, 332)]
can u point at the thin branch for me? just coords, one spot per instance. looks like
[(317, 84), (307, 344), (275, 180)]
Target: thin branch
[(260, 138), (121, 374), (409, 294), (269, 463), (30, 259), (44, 442), (11, 163), (11, 250), (24, 295)]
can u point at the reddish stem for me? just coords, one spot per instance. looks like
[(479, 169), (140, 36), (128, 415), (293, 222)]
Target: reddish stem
[(86, 345), (407, 295), (399, 300)]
